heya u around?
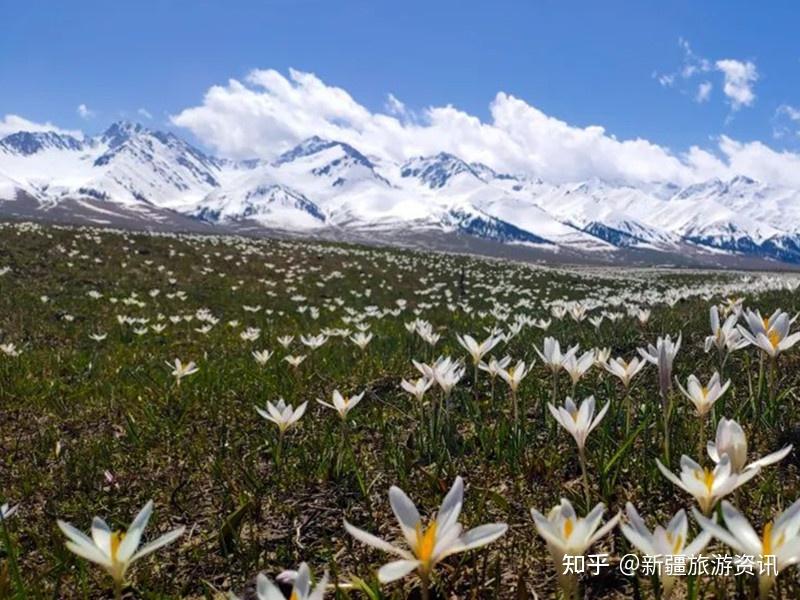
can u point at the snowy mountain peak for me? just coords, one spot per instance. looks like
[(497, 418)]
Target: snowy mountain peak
[(120, 132), (324, 183), (436, 171), (272, 205), (26, 143), (315, 145)]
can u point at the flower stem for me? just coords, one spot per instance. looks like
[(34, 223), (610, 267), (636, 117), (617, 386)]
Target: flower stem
[(424, 587), (585, 475)]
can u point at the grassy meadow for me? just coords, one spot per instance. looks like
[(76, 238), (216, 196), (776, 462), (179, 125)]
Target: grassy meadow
[(95, 419)]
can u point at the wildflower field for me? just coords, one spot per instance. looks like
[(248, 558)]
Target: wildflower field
[(252, 418)]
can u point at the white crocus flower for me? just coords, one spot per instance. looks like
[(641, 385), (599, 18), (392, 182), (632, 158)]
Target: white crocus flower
[(115, 551), (576, 367), (341, 404), (551, 354), (180, 370), (494, 366), (779, 539), (725, 337), (703, 396), (663, 542), (706, 486), (623, 370), (478, 351), (513, 376), (732, 442), (601, 356), (770, 335), (361, 339), (9, 350), (417, 388), (579, 422), (262, 356), (662, 356), (6, 511), (446, 372), (286, 341), (251, 334), (301, 586), (566, 534), (313, 341), (283, 414), (443, 537), (294, 361)]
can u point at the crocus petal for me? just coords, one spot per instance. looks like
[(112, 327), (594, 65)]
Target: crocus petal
[(396, 570), (75, 535), (91, 553), (482, 535), (638, 540), (744, 532), (165, 539), (770, 459), (699, 543), (266, 590), (375, 542), (450, 509), (134, 534), (406, 513), (605, 529), (718, 532), (101, 535)]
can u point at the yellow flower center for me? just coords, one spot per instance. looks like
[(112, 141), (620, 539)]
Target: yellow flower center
[(706, 476), (766, 539), (774, 338), (294, 596), (569, 526), (765, 321), (426, 542), (116, 540), (677, 543)]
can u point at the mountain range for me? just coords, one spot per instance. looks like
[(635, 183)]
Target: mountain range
[(132, 176)]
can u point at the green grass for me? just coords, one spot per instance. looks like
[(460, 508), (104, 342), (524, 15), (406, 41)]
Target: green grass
[(98, 428)]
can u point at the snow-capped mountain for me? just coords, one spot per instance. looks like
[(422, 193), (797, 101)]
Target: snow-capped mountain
[(322, 186)]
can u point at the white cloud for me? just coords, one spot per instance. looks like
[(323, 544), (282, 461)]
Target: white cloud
[(84, 112), (269, 113), (739, 79), (666, 80), (703, 92), (14, 123), (394, 106), (786, 121), (143, 112), (692, 63)]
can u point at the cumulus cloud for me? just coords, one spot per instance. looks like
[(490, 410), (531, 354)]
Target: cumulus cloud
[(703, 92), (14, 123), (84, 112), (269, 113), (739, 79), (786, 121)]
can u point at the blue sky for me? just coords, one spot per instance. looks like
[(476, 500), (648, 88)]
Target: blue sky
[(584, 63)]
